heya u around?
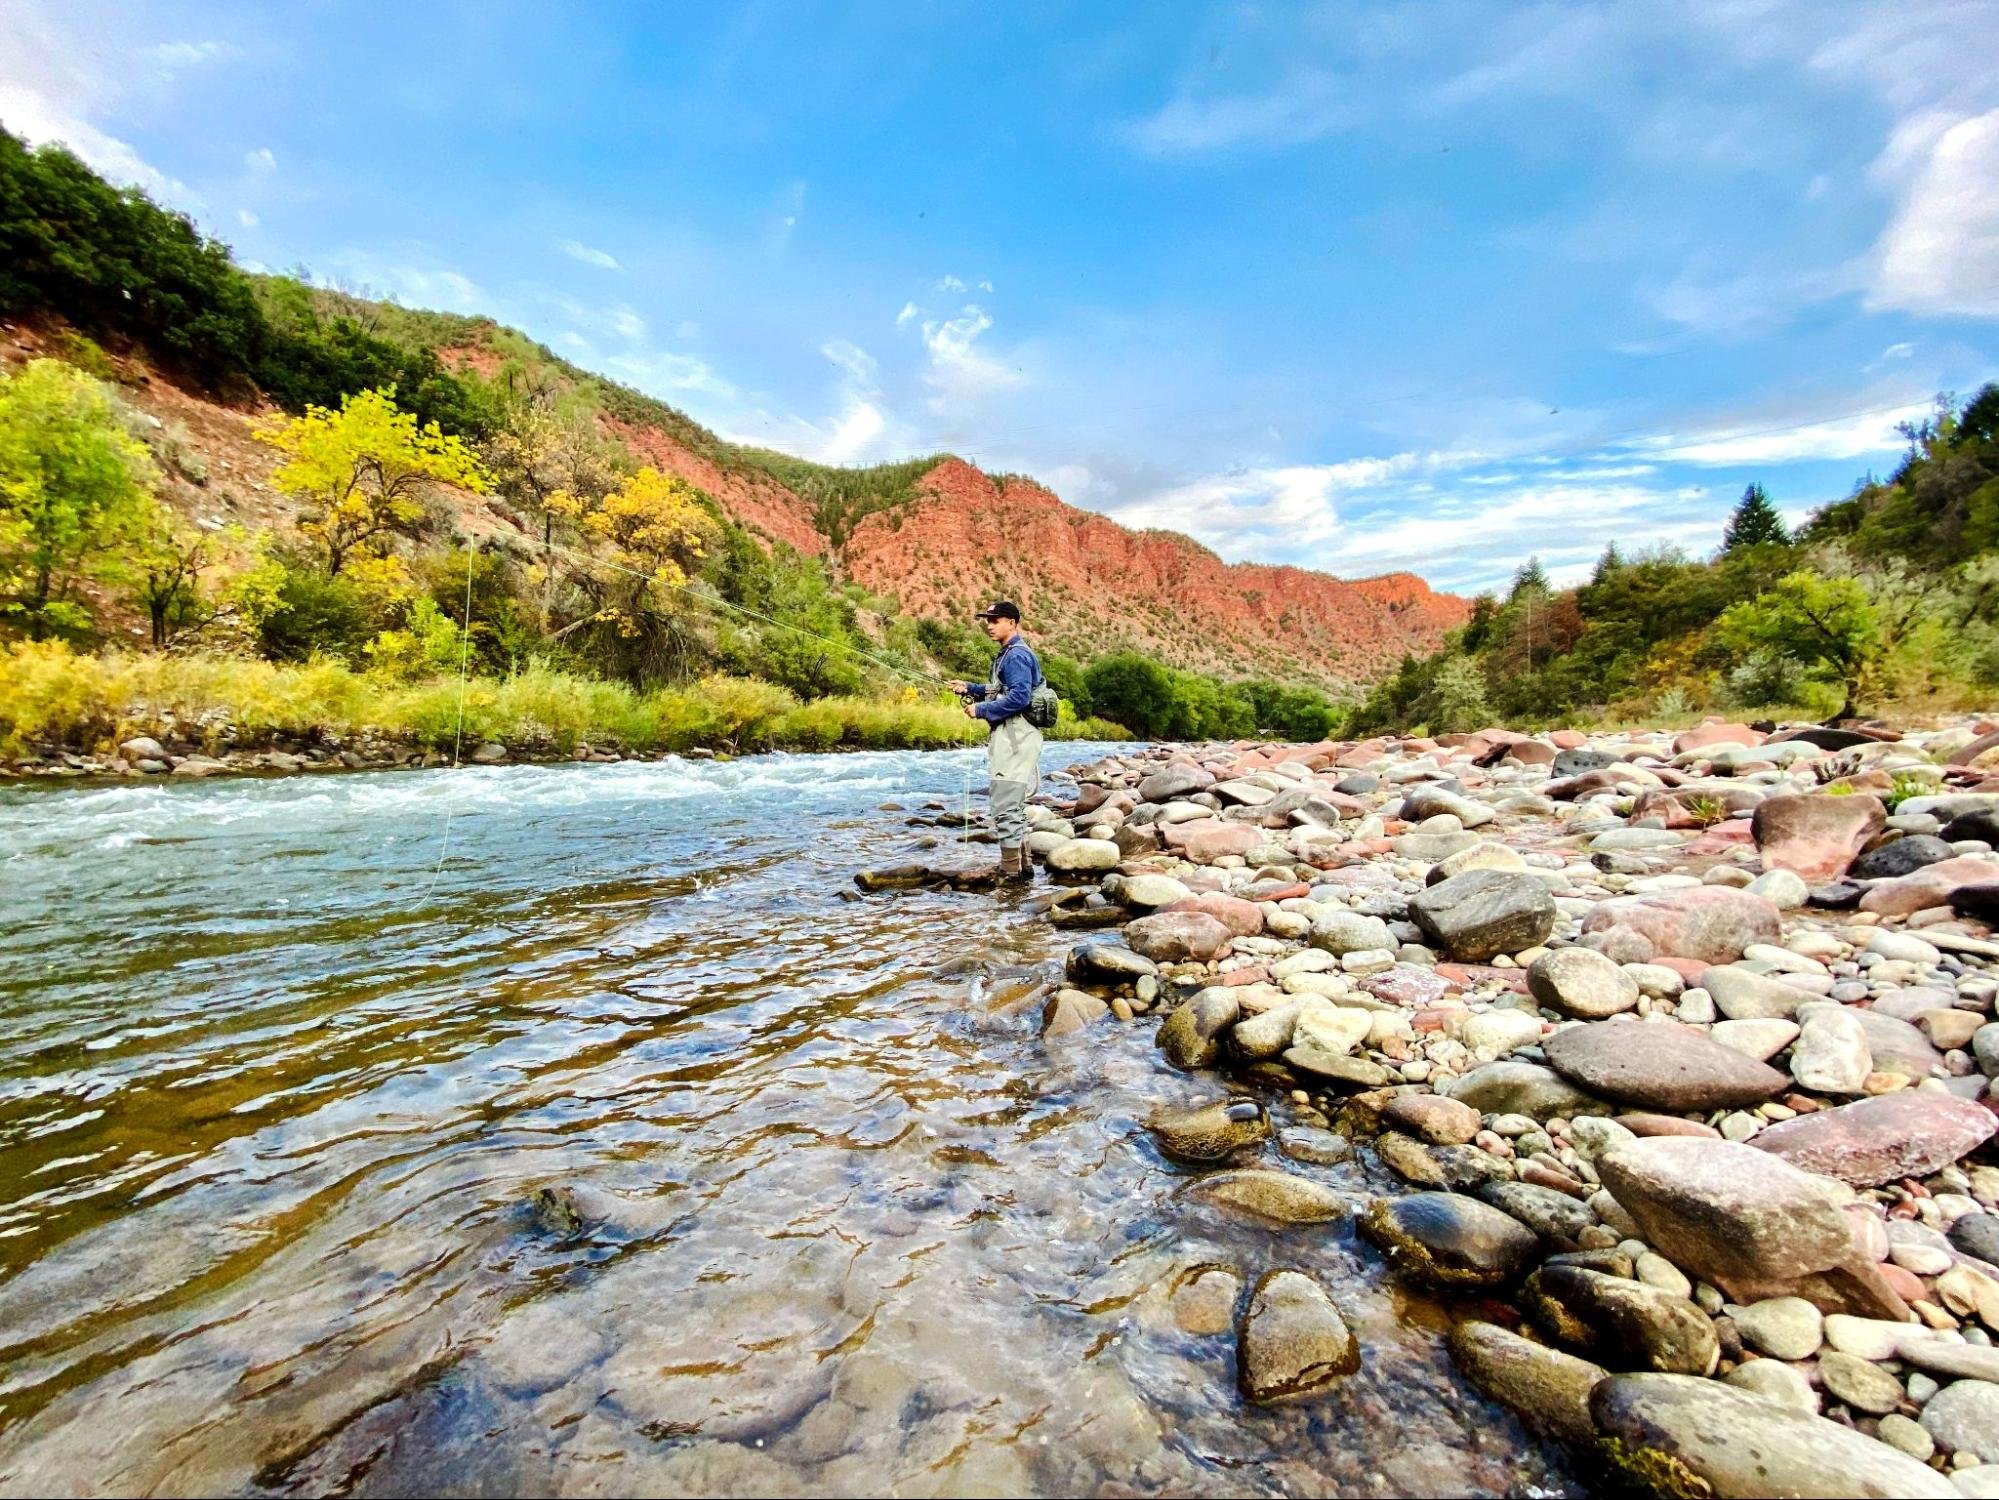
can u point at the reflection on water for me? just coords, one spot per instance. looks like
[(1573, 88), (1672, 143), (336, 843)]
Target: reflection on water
[(281, 1077)]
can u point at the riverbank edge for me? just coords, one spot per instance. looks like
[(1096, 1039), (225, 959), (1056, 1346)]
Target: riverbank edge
[(1639, 1416)]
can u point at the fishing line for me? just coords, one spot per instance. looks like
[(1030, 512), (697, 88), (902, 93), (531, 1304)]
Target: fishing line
[(715, 599), (465, 651), (458, 732)]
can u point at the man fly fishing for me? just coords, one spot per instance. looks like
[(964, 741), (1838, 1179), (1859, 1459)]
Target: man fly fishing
[(1016, 701)]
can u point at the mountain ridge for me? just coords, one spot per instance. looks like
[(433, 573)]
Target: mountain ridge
[(941, 532)]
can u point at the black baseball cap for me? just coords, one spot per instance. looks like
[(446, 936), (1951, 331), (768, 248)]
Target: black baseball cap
[(1001, 609)]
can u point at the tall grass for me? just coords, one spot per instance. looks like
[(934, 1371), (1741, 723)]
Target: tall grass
[(53, 697)]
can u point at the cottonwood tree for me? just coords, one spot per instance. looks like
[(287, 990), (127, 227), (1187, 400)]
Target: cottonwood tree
[(362, 473), (1843, 629), (74, 491)]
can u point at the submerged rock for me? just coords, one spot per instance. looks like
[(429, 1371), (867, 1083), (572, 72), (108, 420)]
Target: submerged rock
[(1293, 1342), (1192, 1036), (1627, 1320), (1278, 1196), (1547, 1389), (1448, 1240), (1209, 1132)]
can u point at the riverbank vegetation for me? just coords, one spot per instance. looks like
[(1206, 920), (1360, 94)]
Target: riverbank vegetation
[(493, 514), (53, 695), (1889, 596), (600, 600)]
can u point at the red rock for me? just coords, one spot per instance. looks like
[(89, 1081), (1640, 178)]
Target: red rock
[(1721, 838), (1929, 886), (1987, 740), (1713, 923), (1082, 578), (1236, 978), (1568, 739), (1242, 918), (1874, 1141), (1408, 986), (1815, 836), (1689, 969), (1903, 1283), (1287, 892), (1542, 1175), (1531, 753), (1715, 732), (1206, 839), (1644, 1124), (1467, 975), (1171, 937), (1661, 802)]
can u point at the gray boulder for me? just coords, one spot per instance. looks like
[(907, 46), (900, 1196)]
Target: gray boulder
[(1682, 1435), (1581, 982), (1660, 1066), (1746, 1221), (1481, 913)]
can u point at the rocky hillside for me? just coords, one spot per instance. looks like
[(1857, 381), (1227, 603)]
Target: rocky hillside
[(1089, 585), (939, 535)]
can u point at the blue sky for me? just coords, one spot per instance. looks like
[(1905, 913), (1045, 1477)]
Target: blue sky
[(1424, 286)]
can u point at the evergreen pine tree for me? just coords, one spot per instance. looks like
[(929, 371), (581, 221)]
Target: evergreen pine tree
[(1530, 576), (1608, 564), (1754, 523)]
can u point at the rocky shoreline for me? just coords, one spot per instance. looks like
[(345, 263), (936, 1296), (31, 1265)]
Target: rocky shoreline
[(148, 756), (1683, 1047)]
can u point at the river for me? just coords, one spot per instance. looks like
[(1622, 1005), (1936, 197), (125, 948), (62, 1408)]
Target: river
[(284, 1063)]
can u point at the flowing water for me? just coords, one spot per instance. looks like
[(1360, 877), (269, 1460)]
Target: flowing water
[(284, 1065)]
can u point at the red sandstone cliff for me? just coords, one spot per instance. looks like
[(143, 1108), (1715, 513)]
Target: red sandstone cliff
[(1088, 585)]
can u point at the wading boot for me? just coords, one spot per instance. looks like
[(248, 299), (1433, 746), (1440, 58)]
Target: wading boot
[(1014, 868)]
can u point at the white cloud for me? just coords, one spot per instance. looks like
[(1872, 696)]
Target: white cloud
[(413, 278), (40, 121), (667, 375), (61, 71), (247, 218), (1297, 109), (174, 56), (589, 255), (958, 368), (261, 161), (1940, 253), (852, 436), (950, 284), (859, 365), (909, 310), (1857, 435)]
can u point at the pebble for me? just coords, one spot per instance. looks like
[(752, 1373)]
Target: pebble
[(1781, 1327)]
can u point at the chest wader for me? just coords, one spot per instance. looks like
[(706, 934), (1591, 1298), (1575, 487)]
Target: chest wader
[(1015, 748)]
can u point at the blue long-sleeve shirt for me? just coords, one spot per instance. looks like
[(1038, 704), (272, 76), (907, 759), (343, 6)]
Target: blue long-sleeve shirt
[(1015, 673)]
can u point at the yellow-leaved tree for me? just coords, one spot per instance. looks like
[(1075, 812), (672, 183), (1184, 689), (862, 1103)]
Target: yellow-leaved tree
[(654, 531), (362, 473)]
